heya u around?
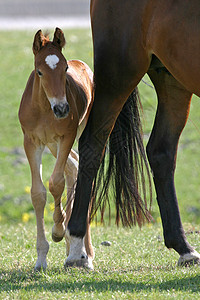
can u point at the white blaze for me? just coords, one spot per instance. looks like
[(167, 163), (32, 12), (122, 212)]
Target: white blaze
[(52, 61)]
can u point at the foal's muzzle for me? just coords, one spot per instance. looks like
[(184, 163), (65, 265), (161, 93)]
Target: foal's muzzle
[(61, 110)]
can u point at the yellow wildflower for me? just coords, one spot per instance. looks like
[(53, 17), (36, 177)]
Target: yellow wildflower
[(47, 184), (51, 205), (27, 189), (158, 220), (45, 212), (25, 217)]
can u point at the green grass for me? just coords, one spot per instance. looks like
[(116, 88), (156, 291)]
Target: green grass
[(137, 265)]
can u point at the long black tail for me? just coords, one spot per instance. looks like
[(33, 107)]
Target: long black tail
[(124, 169)]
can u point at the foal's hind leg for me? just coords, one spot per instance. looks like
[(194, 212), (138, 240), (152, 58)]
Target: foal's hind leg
[(172, 114), (71, 172)]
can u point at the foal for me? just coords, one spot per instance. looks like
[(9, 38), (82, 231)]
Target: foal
[(55, 107)]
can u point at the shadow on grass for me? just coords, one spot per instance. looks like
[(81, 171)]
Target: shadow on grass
[(59, 281)]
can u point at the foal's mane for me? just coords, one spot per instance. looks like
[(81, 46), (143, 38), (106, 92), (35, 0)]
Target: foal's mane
[(45, 38), (42, 40)]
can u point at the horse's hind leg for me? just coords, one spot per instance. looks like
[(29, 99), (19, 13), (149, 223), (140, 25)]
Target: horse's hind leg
[(116, 75), (172, 114), (107, 106), (71, 171)]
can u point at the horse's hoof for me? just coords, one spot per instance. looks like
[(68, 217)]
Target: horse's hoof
[(83, 262), (77, 253), (189, 259)]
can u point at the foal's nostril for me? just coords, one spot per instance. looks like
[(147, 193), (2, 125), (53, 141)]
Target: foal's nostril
[(61, 110), (66, 109), (57, 111)]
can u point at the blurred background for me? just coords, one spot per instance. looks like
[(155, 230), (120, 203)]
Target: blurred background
[(22, 14), (19, 21)]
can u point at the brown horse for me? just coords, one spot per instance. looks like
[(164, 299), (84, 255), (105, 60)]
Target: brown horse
[(54, 110), (131, 38)]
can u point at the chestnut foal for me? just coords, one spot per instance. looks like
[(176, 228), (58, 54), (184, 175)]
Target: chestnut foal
[(54, 109)]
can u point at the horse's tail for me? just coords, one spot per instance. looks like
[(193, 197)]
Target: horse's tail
[(125, 170)]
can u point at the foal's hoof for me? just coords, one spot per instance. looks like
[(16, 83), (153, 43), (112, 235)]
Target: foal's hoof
[(56, 238), (39, 267), (83, 262), (189, 259), (57, 235), (42, 250)]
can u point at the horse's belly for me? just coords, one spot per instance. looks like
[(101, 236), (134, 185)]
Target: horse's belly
[(174, 37)]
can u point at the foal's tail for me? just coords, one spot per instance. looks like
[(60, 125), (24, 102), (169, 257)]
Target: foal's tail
[(125, 169)]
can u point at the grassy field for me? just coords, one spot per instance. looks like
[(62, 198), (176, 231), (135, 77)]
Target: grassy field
[(137, 265)]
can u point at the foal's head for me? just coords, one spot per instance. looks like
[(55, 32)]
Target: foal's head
[(50, 70)]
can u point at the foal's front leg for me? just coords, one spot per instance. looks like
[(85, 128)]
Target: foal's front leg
[(56, 187), (38, 195)]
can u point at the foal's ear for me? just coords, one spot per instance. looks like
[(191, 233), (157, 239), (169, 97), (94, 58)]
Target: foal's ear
[(59, 38), (38, 42)]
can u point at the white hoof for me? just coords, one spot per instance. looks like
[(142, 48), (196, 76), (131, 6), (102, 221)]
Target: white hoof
[(84, 262), (77, 254), (189, 259)]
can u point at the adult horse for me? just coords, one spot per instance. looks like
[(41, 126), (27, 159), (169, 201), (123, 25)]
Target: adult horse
[(131, 38)]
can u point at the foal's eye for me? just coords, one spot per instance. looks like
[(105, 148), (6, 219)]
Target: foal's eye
[(39, 73), (66, 68)]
